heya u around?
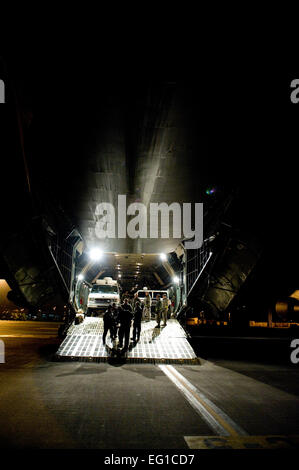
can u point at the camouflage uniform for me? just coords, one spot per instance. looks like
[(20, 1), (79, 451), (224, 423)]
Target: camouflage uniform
[(147, 307), (164, 312), (158, 311)]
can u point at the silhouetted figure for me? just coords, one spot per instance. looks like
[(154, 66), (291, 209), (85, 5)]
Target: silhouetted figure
[(125, 318), (115, 313), (137, 321), (109, 323)]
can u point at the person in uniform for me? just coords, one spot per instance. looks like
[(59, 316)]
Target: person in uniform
[(172, 305), (137, 321), (164, 311), (125, 319), (108, 323), (147, 307), (158, 310), (114, 314), (134, 301)]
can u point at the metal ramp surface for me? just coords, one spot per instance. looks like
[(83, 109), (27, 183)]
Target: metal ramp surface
[(156, 345)]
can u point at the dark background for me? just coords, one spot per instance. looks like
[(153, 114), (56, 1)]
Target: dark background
[(243, 113)]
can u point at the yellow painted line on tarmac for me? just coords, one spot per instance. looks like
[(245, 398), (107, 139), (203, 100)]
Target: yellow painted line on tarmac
[(45, 328), (242, 442), (216, 418), (229, 435), (29, 336), (223, 423)]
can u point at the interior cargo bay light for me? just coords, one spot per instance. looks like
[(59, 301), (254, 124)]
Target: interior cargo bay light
[(95, 254)]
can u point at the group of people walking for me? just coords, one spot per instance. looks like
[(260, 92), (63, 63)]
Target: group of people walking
[(118, 320)]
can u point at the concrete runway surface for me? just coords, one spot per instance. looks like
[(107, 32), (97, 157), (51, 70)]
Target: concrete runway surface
[(221, 403)]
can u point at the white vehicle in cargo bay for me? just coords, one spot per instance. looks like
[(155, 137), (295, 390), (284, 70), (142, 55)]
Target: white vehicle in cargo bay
[(103, 293)]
